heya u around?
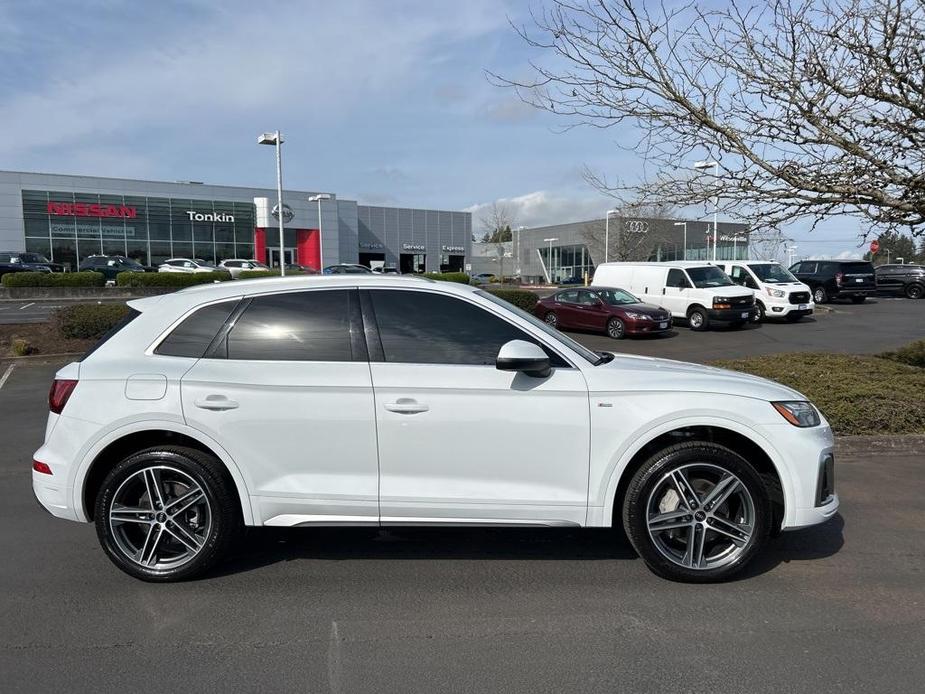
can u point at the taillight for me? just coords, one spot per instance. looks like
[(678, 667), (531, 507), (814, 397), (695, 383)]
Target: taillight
[(838, 278), (59, 393)]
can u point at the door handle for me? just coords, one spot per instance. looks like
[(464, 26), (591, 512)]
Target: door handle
[(216, 403), (406, 406)]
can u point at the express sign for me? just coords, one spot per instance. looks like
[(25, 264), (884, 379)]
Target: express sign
[(81, 209)]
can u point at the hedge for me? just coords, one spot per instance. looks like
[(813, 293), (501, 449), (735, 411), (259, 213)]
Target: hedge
[(170, 279), (88, 320), (521, 298), (53, 279), (460, 277), (912, 354)]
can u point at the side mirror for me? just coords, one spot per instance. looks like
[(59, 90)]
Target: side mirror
[(520, 355)]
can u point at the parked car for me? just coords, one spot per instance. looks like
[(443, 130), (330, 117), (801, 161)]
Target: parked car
[(6, 268), (186, 265), (837, 279), (613, 311), (907, 280), (151, 435), (696, 291), (383, 270), (111, 265), (347, 269), (483, 278), (304, 269), (574, 279), (778, 293), (30, 261), (235, 266)]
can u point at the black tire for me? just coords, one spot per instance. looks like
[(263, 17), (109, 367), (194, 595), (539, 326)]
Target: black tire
[(758, 315), (698, 319), (914, 291), (858, 299), (222, 512), (552, 320), (820, 295), (616, 328), (647, 481)]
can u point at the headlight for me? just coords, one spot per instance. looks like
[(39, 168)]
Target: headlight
[(798, 412), (637, 316), (778, 293)]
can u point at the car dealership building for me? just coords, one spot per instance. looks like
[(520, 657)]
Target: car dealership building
[(67, 218)]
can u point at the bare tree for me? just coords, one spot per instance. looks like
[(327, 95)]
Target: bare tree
[(497, 222), (636, 230), (812, 108)]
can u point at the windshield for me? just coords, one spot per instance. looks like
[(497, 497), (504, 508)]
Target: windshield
[(537, 323), (33, 258), (708, 276), (616, 297), (772, 273)]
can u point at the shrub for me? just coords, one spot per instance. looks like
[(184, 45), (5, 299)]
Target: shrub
[(21, 347), (53, 279), (912, 354), (521, 298), (88, 320), (256, 274), (170, 279), (460, 277)]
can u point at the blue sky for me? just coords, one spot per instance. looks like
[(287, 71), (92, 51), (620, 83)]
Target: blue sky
[(383, 102)]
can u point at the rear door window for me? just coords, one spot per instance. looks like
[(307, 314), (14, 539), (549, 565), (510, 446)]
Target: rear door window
[(194, 335)]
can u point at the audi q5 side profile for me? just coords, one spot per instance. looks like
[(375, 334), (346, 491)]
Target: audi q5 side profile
[(363, 400)]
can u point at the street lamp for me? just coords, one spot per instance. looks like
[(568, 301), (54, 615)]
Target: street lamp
[(549, 259), (790, 250), (517, 252), (701, 165), (607, 234), (318, 198), (683, 224), (277, 140)]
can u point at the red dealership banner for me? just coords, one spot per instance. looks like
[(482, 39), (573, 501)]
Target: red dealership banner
[(81, 209)]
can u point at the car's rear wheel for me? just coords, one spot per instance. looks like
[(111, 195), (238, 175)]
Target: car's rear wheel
[(616, 328), (698, 319), (820, 295), (166, 514), (858, 299), (915, 291), (696, 512), (551, 319)]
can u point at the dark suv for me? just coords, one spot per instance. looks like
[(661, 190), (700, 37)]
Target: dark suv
[(111, 265), (29, 261), (902, 279), (833, 279)]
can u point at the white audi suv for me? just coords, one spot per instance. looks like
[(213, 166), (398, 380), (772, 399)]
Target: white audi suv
[(364, 400)]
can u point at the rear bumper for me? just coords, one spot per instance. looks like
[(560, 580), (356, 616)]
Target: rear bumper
[(855, 291)]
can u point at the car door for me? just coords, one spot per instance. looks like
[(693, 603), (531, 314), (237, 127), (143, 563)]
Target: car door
[(459, 440), (593, 311), (677, 293), (287, 392), (567, 309)]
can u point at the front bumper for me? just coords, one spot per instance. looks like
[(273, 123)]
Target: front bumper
[(732, 315), (647, 327)]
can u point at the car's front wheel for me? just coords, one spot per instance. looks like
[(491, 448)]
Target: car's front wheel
[(616, 328), (820, 295), (698, 319), (166, 514), (696, 512)]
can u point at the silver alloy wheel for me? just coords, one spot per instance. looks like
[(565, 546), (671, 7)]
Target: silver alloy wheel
[(552, 319), (160, 518), (700, 516), (615, 328), (696, 319), (819, 295)]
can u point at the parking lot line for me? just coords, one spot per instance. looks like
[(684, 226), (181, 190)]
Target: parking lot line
[(27, 306), (6, 374)]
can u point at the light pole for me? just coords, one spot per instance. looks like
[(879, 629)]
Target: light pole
[(606, 234), (701, 165), (318, 198), (277, 139), (790, 250), (683, 224), (517, 252), (549, 259)]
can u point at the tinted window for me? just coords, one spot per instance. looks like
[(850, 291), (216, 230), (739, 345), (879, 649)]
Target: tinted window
[(857, 268), (587, 299), (194, 335), (676, 278), (567, 297), (428, 328), (301, 326)]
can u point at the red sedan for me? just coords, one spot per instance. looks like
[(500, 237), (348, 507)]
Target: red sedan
[(614, 311)]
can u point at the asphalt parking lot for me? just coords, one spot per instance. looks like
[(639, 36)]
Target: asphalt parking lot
[(837, 607)]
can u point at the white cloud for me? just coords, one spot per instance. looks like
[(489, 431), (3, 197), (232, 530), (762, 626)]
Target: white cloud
[(542, 208)]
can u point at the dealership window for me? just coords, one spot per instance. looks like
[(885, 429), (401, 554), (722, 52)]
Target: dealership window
[(299, 326), (427, 328)]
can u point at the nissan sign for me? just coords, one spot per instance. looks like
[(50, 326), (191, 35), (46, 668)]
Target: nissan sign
[(288, 214)]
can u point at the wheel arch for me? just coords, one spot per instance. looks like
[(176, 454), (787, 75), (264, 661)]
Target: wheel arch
[(755, 453), (119, 444)]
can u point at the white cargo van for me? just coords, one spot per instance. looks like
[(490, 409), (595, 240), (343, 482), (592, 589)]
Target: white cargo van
[(779, 293), (700, 292)]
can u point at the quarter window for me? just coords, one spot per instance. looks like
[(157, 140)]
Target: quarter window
[(194, 335), (299, 326), (429, 328)]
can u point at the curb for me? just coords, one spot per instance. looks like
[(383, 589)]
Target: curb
[(855, 446)]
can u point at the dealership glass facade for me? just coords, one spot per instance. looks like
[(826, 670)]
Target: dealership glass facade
[(67, 227)]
